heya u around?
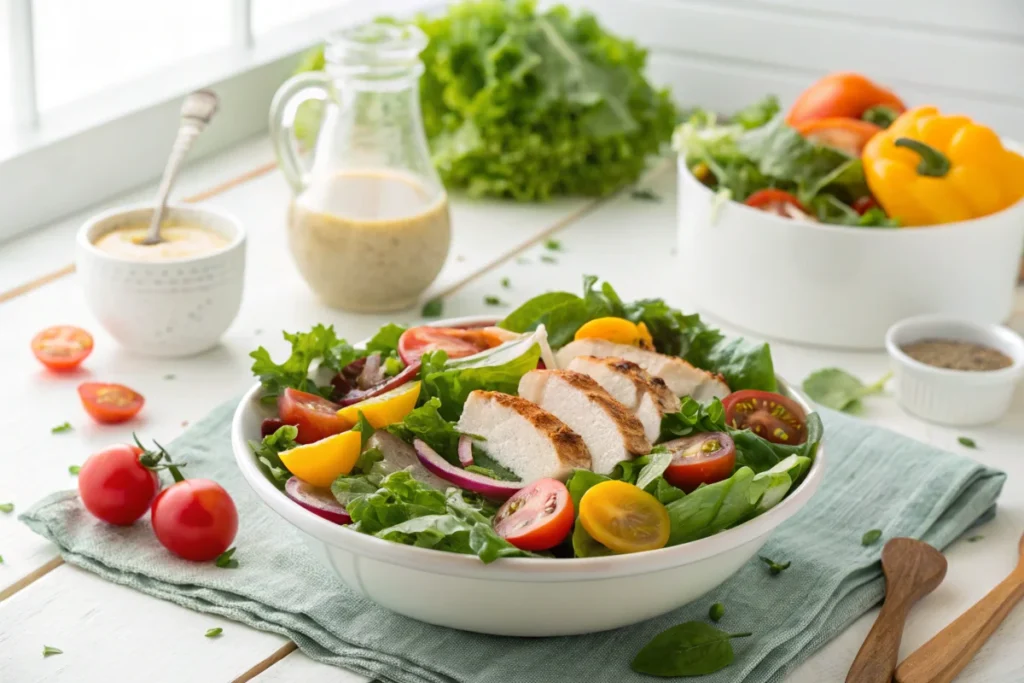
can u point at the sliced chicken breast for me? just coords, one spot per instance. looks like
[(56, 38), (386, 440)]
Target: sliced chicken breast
[(646, 395), (610, 430), (681, 377), (519, 435)]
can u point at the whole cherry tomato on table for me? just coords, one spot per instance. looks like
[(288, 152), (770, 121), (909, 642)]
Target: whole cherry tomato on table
[(195, 519), (116, 486), (62, 347)]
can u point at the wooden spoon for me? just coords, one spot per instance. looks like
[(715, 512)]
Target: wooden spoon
[(912, 570), (944, 656)]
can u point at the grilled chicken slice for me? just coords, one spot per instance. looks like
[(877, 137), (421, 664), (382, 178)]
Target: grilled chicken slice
[(681, 377), (610, 430), (646, 395), (523, 438)]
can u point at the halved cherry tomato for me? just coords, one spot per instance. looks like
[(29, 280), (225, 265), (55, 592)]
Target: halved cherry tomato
[(779, 202), (846, 135), (456, 342), (700, 459), (110, 403), (115, 486), (864, 204), (624, 518), (62, 347), (315, 416), (195, 519), (771, 416), (538, 517)]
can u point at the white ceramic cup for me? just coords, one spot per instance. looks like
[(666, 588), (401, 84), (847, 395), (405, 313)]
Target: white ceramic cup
[(169, 308)]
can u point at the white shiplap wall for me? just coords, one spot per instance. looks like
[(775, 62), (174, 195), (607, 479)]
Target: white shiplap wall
[(962, 55)]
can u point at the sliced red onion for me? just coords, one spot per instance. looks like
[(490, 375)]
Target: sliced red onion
[(389, 383), (372, 373), (271, 425), (317, 501), (465, 450), (471, 481)]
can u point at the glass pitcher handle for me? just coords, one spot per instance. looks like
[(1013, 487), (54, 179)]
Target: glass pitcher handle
[(298, 89)]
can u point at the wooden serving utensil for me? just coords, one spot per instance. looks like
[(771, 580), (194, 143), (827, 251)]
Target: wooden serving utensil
[(945, 655), (912, 569)]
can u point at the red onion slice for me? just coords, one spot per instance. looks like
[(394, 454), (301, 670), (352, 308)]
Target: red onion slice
[(372, 374), (317, 501), (471, 481), (357, 395), (465, 450)]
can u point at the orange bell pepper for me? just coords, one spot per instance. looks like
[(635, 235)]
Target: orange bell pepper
[(928, 169), (841, 95), (847, 135)]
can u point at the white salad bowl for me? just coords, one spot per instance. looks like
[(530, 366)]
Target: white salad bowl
[(519, 596), (841, 286)]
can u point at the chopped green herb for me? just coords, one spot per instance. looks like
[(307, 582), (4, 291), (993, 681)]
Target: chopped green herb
[(716, 612), (552, 245), (214, 632), (645, 195), (506, 283), (61, 428), (690, 649), (6, 507), (522, 260), (47, 651), (967, 442), (775, 567), (225, 559), (548, 259), (433, 308), (74, 469), (170, 376), (839, 390), (975, 539), (393, 366), (1, 559), (491, 300), (871, 537)]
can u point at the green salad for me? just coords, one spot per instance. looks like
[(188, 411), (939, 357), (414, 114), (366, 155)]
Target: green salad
[(578, 426)]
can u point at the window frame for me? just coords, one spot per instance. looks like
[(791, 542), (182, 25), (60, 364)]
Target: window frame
[(59, 162)]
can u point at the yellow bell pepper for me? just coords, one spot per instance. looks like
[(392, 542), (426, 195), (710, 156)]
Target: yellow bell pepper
[(928, 168), (617, 330)]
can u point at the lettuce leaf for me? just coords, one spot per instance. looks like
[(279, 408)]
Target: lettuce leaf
[(385, 342), (268, 451), (427, 423), (319, 344)]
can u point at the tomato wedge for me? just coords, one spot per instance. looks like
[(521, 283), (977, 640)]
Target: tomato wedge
[(624, 518), (779, 202), (315, 416), (62, 347), (456, 342), (700, 459), (538, 517), (846, 135), (771, 416), (110, 403)]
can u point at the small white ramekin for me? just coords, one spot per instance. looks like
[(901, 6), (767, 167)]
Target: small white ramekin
[(167, 308), (954, 397)]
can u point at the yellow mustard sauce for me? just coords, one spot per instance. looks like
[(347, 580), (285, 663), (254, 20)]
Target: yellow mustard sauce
[(181, 241)]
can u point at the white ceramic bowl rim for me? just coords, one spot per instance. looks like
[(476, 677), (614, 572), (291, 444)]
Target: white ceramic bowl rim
[(523, 569), (919, 325), (882, 233), (84, 236)]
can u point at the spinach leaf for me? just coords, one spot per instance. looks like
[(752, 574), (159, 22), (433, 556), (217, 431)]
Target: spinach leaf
[(693, 417), (561, 313), (743, 363), (267, 454), (319, 344), (385, 341), (840, 390), (772, 485), (713, 508), (488, 466), (760, 454), (690, 649), (659, 460), (584, 545)]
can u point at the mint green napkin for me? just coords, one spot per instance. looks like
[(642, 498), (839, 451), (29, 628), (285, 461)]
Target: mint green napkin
[(874, 479)]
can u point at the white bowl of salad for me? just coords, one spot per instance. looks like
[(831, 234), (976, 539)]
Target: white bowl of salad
[(847, 213), (580, 465)]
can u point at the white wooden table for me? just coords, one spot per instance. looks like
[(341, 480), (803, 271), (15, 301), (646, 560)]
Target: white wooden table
[(100, 627)]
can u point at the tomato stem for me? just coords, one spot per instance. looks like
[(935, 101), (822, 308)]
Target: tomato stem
[(154, 461)]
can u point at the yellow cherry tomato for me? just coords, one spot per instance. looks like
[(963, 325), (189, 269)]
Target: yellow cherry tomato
[(384, 409), (617, 330), (624, 518), (319, 463)]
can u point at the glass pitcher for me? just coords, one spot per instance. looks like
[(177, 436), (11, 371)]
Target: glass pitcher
[(368, 225)]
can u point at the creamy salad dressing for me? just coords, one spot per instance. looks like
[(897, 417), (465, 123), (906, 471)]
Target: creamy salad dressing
[(369, 240), (181, 241)]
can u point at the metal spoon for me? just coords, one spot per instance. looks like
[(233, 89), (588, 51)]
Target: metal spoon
[(196, 112)]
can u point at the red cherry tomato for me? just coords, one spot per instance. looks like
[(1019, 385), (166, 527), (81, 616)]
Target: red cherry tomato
[(110, 403), (315, 416), (771, 416), (537, 517), (700, 459), (62, 347), (115, 486), (195, 519), (456, 342), (779, 202), (864, 204)]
